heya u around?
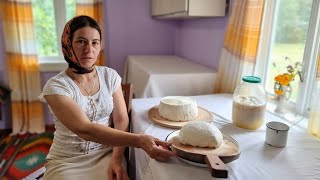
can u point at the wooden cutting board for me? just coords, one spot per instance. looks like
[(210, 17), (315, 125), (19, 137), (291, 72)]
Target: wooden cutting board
[(226, 150), (215, 158), (153, 113)]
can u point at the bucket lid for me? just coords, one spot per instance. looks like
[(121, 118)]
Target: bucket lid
[(251, 79)]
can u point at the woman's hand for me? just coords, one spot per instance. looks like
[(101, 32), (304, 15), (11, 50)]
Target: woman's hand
[(156, 148), (116, 170)]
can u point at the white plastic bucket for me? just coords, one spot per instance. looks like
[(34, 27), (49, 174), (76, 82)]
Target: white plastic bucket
[(277, 134)]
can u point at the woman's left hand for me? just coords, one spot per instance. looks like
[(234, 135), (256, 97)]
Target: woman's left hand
[(116, 170)]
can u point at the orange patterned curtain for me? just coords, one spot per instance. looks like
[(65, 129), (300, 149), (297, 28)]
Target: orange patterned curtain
[(94, 9), (23, 66), (240, 49)]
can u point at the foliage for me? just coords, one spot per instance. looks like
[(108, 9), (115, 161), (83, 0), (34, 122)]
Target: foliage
[(293, 17), (284, 79), (45, 25), (71, 9)]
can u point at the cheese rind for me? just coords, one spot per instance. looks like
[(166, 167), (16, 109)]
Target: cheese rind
[(200, 134), (178, 108)]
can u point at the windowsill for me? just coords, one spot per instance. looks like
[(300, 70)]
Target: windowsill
[(289, 115), (52, 66)]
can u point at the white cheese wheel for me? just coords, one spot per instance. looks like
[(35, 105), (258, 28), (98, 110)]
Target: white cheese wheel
[(200, 134), (178, 108)]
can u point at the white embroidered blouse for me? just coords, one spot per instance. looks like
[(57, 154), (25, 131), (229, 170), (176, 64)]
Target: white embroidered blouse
[(98, 108)]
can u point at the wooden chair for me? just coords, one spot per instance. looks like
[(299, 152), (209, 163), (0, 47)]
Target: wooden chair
[(127, 93)]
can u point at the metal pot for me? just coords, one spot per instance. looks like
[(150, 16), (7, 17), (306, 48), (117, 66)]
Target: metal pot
[(276, 134)]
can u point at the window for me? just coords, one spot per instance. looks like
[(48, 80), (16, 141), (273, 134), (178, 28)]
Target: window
[(50, 17), (289, 40), (290, 29)]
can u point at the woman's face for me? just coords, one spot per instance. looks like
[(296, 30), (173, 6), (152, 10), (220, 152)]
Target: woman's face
[(86, 44)]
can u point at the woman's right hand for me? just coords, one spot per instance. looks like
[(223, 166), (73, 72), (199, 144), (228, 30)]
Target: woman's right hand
[(156, 148)]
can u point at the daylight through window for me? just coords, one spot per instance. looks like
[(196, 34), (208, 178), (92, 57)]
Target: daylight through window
[(49, 19)]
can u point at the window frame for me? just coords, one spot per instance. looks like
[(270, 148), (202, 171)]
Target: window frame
[(310, 53), (309, 68)]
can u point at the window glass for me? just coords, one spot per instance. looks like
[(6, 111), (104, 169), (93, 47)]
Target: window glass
[(291, 28), (71, 9), (45, 23), (45, 27)]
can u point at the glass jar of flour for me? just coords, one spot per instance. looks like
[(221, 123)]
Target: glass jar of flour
[(249, 103)]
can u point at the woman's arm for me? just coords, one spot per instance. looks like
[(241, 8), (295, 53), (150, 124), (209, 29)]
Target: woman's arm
[(73, 117), (120, 119)]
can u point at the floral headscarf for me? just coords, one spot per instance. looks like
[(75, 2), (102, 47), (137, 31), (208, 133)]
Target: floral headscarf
[(67, 50), (67, 44)]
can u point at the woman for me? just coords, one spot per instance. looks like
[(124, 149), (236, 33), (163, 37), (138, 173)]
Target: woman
[(81, 100)]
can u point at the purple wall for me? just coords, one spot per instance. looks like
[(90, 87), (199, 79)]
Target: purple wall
[(3, 77), (201, 40), (130, 30), (44, 78), (5, 115)]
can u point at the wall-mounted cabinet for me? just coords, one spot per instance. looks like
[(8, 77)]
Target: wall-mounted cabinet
[(188, 8)]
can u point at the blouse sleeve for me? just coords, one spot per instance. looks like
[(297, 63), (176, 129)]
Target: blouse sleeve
[(57, 87), (115, 80)]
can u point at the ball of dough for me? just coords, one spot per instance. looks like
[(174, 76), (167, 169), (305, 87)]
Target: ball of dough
[(200, 134)]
